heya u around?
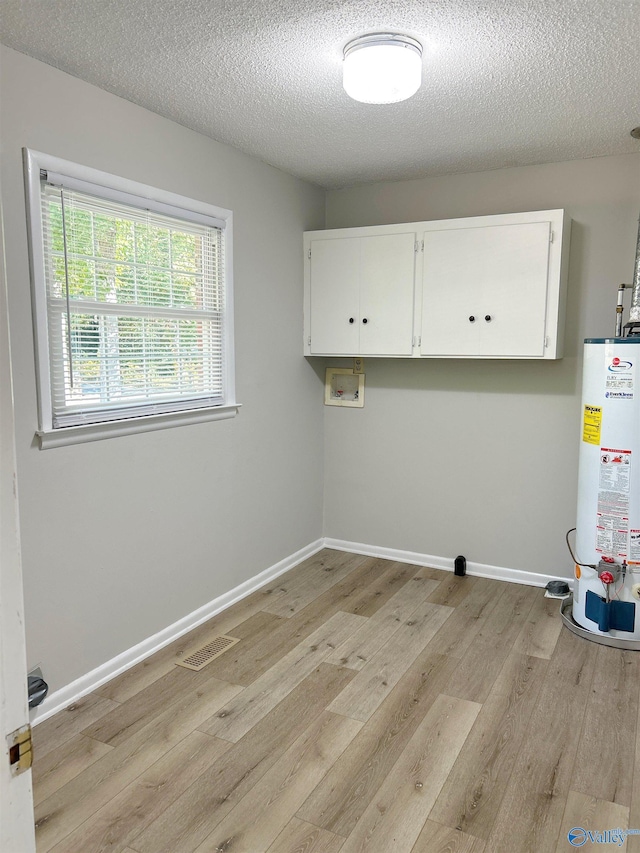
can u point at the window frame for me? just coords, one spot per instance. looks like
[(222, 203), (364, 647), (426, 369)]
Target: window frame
[(108, 186)]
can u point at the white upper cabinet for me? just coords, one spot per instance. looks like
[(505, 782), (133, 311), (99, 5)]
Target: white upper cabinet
[(360, 293), (484, 291), (387, 268), (334, 271), (486, 287)]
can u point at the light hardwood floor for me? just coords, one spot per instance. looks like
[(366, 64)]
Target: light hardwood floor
[(369, 707)]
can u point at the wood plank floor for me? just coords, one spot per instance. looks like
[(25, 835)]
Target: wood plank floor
[(369, 707)]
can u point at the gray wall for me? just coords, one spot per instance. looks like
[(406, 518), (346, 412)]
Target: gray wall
[(479, 457), (125, 536)]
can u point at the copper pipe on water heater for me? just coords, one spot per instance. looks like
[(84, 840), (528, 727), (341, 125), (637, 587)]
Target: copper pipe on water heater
[(619, 308)]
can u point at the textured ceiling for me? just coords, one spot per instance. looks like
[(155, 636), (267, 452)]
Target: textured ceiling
[(506, 82)]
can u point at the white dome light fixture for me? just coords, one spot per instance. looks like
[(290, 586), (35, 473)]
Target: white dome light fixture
[(382, 68)]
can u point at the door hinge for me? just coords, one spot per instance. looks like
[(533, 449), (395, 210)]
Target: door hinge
[(551, 236), (418, 246), (309, 254), (309, 341), (20, 750), (546, 342), (417, 342)]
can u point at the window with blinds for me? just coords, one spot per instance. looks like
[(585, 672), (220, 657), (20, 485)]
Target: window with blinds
[(134, 295)]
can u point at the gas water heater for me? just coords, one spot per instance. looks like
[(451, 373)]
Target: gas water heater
[(606, 594)]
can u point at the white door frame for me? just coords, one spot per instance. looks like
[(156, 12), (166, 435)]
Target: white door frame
[(17, 834)]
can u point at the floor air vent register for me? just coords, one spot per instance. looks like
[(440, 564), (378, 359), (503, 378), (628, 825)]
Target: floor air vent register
[(199, 659)]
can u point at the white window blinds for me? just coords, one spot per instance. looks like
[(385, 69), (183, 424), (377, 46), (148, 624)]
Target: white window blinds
[(135, 308)]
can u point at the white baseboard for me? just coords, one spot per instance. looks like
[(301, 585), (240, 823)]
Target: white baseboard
[(480, 570), (65, 696)]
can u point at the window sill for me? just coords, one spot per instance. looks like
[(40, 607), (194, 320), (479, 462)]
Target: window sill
[(96, 432)]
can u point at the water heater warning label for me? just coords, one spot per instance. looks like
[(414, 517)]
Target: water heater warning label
[(592, 424), (612, 525), (634, 547), (615, 468)]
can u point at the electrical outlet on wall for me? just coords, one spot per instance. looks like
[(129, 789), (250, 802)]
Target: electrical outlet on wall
[(358, 365)]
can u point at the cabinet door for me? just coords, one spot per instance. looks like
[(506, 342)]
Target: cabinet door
[(386, 294), (334, 297), (496, 275), (450, 308)]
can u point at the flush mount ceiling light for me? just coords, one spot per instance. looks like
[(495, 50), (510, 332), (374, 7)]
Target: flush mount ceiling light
[(382, 68)]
